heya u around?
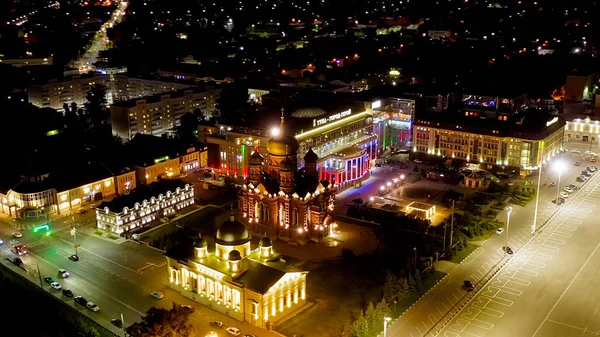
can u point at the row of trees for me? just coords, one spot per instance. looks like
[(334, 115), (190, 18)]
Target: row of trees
[(398, 287), (160, 322), (370, 321)]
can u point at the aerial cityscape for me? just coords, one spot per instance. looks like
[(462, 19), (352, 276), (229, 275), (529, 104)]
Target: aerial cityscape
[(318, 168)]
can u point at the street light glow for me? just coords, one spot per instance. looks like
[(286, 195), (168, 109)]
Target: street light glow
[(275, 132), (559, 166)]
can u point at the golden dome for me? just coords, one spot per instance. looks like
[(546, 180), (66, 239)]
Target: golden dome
[(283, 145)]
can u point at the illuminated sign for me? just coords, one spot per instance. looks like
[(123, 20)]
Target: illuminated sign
[(376, 105), (317, 122), (160, 160), (550, 122), (394, 72), (42, 227)]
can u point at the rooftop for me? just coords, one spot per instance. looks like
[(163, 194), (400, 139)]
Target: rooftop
[(141, 193), (144, 150), (159, 97)]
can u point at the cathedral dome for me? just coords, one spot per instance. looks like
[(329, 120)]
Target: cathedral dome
[(200, 243), (310, 156), (287, 165), (256, 158), (234, 255), (232, 233), (283, 145), (308, 112), (265, 242)]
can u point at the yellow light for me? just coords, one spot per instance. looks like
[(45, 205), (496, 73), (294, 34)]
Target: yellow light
[(275, 132)]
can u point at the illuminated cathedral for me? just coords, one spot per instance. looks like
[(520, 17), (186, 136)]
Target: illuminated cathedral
[(283, 200)]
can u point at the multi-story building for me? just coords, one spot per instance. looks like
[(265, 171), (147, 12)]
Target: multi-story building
[(145, 205), (251, 285), (54, 93), (160, 114), (583, 130), (127, 88), (283, 200), (57, 192), (495, 144), (154, 158)]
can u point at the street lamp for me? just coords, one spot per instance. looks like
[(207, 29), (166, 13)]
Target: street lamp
[(385, 323), (537, 198), (508, 211), (415, 249), (560, 167)]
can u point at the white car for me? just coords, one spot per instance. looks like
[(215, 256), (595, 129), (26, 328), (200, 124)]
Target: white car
[(233, 331), (500, 230), (564, 194), (418, 161), (575, 151), (569, 190), (17, 235), (92, 306), (63, 273), (55, 286), (157, 295)]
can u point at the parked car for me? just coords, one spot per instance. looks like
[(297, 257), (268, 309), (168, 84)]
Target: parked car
[(92, 206), (577, 163), (564, 194), (67, 292), (157, 295), (500, 230), (575, 151), (507, 250), (117, 322), (92, 306), (468, 285), (560, 201), (592, 168), (233, 331), (48, 279), (17, 261), (217, 324), (80, 300), (187, 307), (418, 161), (81, 210), (569, 190), (55, 286)]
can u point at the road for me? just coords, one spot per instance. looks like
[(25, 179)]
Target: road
[(100, 41), (552, 281), (434, 307), (117, 277)]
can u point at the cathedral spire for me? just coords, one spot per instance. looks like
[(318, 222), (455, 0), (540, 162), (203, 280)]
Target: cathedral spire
[(282, 118)]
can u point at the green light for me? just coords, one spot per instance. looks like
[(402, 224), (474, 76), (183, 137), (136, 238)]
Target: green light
[(159, 160), (42, 227)]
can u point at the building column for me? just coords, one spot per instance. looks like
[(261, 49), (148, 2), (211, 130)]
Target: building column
[(296, 294), (288, 296), (281, 301)]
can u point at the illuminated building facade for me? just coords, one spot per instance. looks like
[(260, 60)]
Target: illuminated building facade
[(159, 114), (58, 193), (231, 277), (144, 205), (392, 120), (495, 144), (283, 200), (344, 144), (583, 130), (54, 93), (126, 87), (154, 158)]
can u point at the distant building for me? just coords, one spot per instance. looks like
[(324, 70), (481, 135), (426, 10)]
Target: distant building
[(43, 193), (54, 93), (160, 114), (127, 88), (248, 284), (584, 130), (154, 158), (144, 205), (579, 86), (25, 62)]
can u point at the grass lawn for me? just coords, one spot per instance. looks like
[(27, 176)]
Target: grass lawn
[(340, 294), (461, 255)]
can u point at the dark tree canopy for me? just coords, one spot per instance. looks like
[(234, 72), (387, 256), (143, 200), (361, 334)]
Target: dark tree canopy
[(160, 322)]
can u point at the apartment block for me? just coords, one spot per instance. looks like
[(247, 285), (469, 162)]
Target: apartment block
[(54, 93)]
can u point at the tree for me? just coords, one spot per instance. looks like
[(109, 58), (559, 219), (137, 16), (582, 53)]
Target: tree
[(95, 106), (418, 278), (370, 316), (361, 326), (187, 130), (382, 310), (160, 322), (412, 284)]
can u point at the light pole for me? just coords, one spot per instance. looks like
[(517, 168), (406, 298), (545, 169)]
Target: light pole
[(40, 275), (537, 198), (415, 249), (385, 323), (508, 211), (559, 166)]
